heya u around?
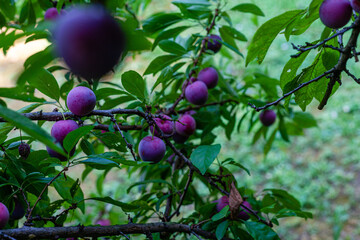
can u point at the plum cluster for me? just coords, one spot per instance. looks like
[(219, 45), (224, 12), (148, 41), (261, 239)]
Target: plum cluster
[(337, 13), (52, 14), (80, 101), (89, 40)]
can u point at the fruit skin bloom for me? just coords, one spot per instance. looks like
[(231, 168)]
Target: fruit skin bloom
[(335, 13), (89, 40), (81, 101), (152, 149)]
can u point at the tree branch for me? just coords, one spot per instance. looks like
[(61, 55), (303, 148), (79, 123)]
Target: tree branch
[(100, 231), (195, 62)]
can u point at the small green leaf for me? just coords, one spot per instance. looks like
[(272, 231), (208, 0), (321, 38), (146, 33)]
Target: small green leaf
[(134, 84), (160, 181), (221, 229), (304, 119), (248, 8), (203, 156), (260, 231), (42, 80), (223, 213), (124, 206), (74, 136), (160, 63), (100, 163), (160, 21), (172, 47)]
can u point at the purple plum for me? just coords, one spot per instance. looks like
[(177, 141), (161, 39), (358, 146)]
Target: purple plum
[(166, 126), (81, 100), (179, 138), (213, 44), (104, 222), (18, 211), (209, 76), (186, 125), (335, 13), (89, 40), (24, 150), (267, 117), (151, 149), (51, 14), (224, 201), (196, 93), (4, 215), (62, 128)]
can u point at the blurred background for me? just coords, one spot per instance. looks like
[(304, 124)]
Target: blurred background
[(320, 168)]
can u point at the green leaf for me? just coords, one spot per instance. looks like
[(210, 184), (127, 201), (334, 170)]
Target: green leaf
[(221, 229), (248, 8), (269, 142), (23, 93), (160, 63), (100, 163), (165, 75), (124, 206), (172, 47), (74, 136), (149, 181), (223, 213), (233, 33), (266, 34), (203, 156), (160, 21), (170, 33), (285, 198), (30, 128), (304, 119), (260, 231), (8, 8), (44, 81), (134, 84)]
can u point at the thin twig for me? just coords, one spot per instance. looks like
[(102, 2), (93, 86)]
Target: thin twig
[(182, 197)]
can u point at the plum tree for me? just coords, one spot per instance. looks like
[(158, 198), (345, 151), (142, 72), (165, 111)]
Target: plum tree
[(186, 125), (166, 126), (209, 76), (89, 40), (24, 150), (267, 117), (213, 43), (196, 93), (152, 149), (355, 4), (335, 13), (18, 211), (81, 100), (4, 215)]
